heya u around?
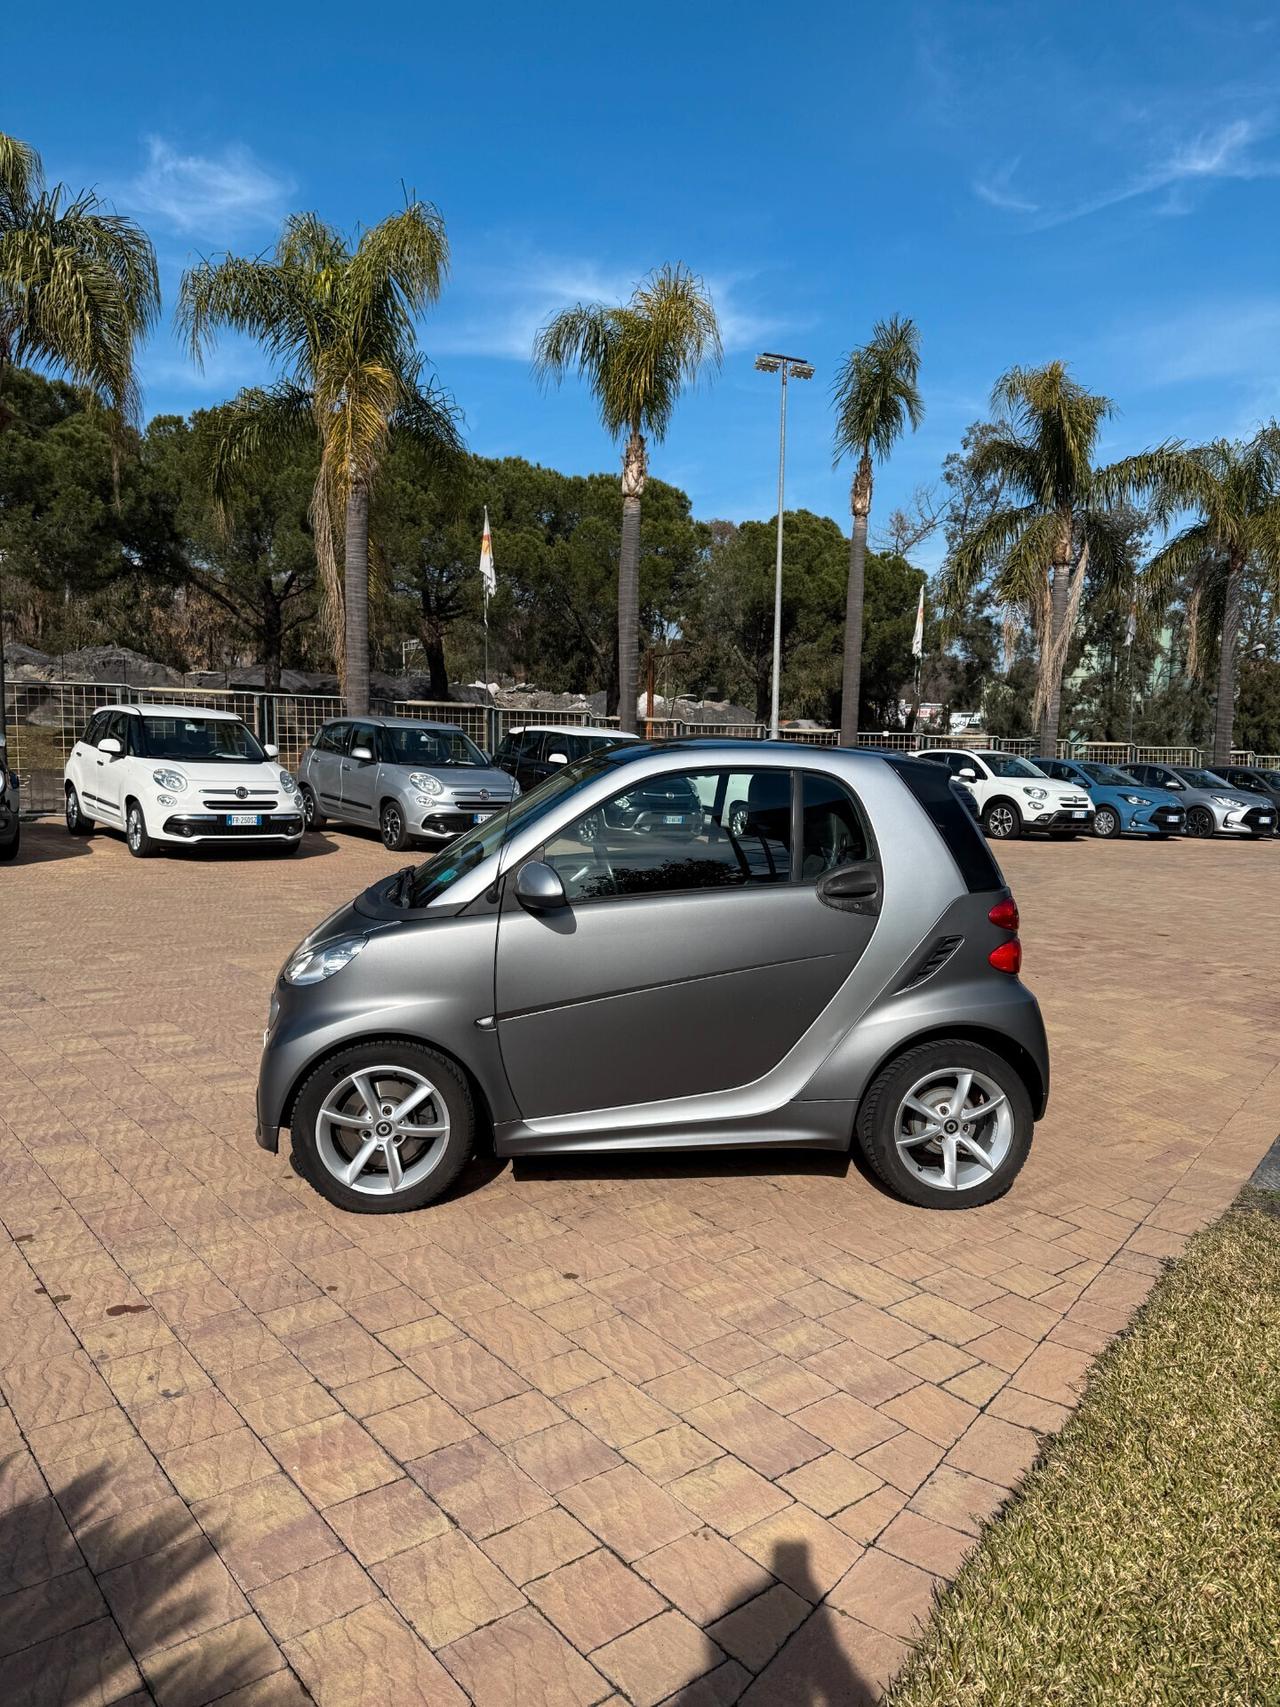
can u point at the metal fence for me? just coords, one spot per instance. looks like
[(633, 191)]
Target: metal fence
[(45, 719)]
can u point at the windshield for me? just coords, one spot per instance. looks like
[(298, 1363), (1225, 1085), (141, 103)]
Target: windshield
[(1109, 775), (429, 747), (1009, 764), (431, 879), (199, 740), (1271, 778), (1205, 779)]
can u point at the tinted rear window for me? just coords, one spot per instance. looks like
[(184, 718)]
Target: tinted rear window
[(931, 785)]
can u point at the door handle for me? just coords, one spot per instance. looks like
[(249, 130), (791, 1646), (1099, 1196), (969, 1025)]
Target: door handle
[(852, 888)]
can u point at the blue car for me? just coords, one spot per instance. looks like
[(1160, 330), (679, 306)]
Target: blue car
[(1123, 806)]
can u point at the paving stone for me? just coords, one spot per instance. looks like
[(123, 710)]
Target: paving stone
[(594, 1599), (539, 1545), (333, 1459), (314, 1594), (225, 1659), (997, 1451), (801, 1549), (760, 1437), (45, 1610), (728, 1495), (217, 1465), (832, 1657), (479, 1486), (664, 1655), (672, 1452), (168, 1597), (446, 1587), (617, 1411), (755, 1631), (347, 1663), (264, 1531), (829, 1483), (887, 1593), (558, 1457), (938, 1416), (704, 1575), (386, 1520), (520, 1661), (409, 1431), (185, 1421), (931, 1546), (627, 1511), (89, 1667)]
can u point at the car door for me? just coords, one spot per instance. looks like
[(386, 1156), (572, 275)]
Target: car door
[(324, 766), (687, 960), (82, 763), (532, 767), (360, 776), (111, 769)]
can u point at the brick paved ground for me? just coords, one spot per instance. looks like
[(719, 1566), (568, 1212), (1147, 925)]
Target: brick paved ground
[(703, 1431)]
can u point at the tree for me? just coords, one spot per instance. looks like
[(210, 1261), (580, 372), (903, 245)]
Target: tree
[(876, 394), (78, 284), (1037, 551), (253, 557), (339, 318), (636, 357), (1236, 489)]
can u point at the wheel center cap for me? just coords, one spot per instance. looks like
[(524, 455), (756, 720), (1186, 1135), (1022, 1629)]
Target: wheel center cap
[(383, 1129), (951, 1126)]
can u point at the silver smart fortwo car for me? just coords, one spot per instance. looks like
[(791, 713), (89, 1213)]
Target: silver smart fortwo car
[(408, 779), (823, 950)]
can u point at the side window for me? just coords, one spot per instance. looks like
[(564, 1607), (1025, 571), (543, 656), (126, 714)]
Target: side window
[(534, 748), (834, 831), (132, 740), (95, 729), (506, 750), (957, 762), (679, 831), (332, 738), (364, 735), (115, 726)]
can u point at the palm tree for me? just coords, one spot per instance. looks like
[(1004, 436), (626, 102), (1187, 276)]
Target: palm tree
[(78, 283), (1236, 490), (875, 396), (1041, 451), (339, 320), (636, 357)]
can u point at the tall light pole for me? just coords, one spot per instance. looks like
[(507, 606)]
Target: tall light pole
[(789, 367)]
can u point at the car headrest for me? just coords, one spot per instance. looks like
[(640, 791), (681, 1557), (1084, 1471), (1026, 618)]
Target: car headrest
[(769, 799)]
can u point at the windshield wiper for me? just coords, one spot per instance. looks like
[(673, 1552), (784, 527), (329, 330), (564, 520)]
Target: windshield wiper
[(398, 894)]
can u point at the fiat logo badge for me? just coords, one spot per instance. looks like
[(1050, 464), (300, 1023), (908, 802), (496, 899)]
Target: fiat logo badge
[(242, 793)]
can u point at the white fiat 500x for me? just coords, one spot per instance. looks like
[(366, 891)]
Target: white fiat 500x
[(179, 774)]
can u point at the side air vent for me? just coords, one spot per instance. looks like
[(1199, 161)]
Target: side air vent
[(934, 957)]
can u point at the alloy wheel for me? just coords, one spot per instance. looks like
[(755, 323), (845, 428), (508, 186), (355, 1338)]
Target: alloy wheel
[(1199, 821), (1105, 823), (392, 827), (382, 1130), (1001, 822), (73, 811), (135, 830), (953, 1129)]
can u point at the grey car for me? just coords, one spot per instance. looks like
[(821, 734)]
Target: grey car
[(408, 779), (1213, 806), (837, 964)]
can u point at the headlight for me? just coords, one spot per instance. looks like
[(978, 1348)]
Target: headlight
[(1034, 793), (1228, 800), (166, 800), (425, 783), (516, 790), (1135, 800), (174, 781), (287, 783), (314, 965)]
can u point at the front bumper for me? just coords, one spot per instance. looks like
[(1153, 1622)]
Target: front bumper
[(1252, 821), (447, 821), (216, 827), (1153, 821), (1075, 818)]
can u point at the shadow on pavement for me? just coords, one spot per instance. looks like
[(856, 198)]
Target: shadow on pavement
[(92, 1585), (43, 841)]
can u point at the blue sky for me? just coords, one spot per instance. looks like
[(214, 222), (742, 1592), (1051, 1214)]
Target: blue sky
[(1094, 182)]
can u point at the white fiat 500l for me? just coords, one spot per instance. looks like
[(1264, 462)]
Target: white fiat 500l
[(179, 774)]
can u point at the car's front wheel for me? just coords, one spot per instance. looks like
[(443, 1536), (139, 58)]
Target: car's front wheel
[(382, 1127), (77, 823), (1200, 821), (947, 1125), (1001, 821), (1106, 822), (312, 816), (135, 832), (395, 832)]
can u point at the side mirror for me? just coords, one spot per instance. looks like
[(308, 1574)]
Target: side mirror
[(362, 753), (968, 774), (539, 889), (271, 750), (557, 758), (110, 746)]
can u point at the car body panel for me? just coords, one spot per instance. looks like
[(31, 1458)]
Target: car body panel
[(633, 1020), (1162, 815), (215, 793)]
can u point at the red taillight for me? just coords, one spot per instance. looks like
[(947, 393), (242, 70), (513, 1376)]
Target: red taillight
[(1005, 915), (1008, 956)]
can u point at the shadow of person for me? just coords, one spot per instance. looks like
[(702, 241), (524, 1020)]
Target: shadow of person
[(95, 1590), (802, 1652)]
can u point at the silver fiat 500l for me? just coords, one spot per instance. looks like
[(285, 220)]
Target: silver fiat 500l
[(410, 780), (694, 944)]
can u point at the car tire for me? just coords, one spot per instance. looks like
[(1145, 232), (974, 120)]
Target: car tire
[(77, 823), (1002, 821), (312, 816), (314, 1148), (1200, 822), (9, 849), (1106, 823), (883, 1108), (136, 835), (392, 827)]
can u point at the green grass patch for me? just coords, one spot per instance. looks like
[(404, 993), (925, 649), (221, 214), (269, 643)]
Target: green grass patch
[(1140, 1564)]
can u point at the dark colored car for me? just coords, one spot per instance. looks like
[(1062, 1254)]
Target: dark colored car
[(10, 825), (537, 750), (826, 955)]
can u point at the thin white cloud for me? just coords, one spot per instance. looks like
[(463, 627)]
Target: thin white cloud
[(996, 190), (505, 305), (211, 197)]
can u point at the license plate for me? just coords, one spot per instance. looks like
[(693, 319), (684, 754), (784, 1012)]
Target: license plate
[(1079, 814), (674, 818), (479, 817), (243, 820), (1265, 818)]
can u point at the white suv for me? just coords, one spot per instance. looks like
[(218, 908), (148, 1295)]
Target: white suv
[(179, 774), (1014, 796)]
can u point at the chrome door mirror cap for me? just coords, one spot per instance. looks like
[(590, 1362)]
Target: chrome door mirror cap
[(364, 754), (538, 887), (557, 758)]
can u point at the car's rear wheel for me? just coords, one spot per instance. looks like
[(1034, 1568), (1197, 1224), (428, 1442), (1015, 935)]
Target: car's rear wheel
[(77, 823), (1001, 821), (383, 1127), (395, 832), (1106, 822), (135, 832), (1200, 821), (312, 816), (947, 1125)]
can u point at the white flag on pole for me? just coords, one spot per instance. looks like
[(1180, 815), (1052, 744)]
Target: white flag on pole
[(1131, 627), (487, 574), (917, 639)]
